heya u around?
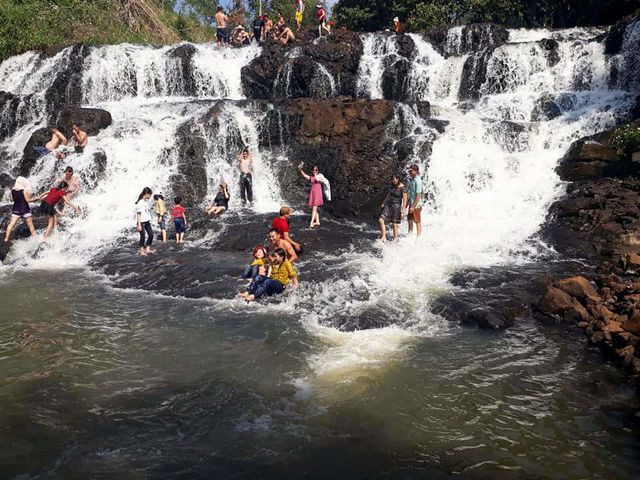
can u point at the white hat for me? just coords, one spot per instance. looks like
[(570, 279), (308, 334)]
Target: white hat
[(396, 19)]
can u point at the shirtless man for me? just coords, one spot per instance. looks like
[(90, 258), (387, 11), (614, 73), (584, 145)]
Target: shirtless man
[(281, 224), (276, 241), (57, 139), (80, 137), (245, 162), (221, 27), (73, 182)]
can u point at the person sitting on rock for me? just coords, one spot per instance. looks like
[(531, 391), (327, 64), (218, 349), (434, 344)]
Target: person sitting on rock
[(21, 196), (286, 36), (240, 36), (281, 274), (81, 139), (221, 202), (276, 241), (57, 139), (281, 224)]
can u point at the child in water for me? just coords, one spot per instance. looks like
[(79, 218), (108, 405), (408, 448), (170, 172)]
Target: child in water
[(282, 273), (179, 214), (161, 211), (258, 266)]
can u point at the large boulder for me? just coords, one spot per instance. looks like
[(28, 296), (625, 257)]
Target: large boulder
[(467, 38), (66, 88)]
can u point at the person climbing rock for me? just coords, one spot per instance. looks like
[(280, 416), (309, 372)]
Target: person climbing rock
[(245, 162)]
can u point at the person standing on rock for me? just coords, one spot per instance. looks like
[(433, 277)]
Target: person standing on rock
[(143, 221), (222, 20), (321, 15), (415, 200), (245, 162), (258, 29), (392, 207), (299, 14), (21, 195), (315, 194), (281, 224)]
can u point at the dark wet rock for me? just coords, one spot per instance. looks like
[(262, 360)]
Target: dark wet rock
[(511, 136), (66, 88), (551, 46), (292, 71), (615, 36), (545, 109), (15, 111), (395, 79), (91, 120), (92, 177), (38, 139), (437, 124), (473, 37), (474, 76), (424, 109), (184, 53)]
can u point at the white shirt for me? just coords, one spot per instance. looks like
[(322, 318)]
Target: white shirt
[(144, 209)]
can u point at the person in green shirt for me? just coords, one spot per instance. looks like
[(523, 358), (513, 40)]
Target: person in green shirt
[(415, 199)]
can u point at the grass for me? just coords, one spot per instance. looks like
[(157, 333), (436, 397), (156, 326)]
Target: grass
[(39, 24)]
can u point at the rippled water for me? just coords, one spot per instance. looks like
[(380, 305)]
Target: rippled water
[(99, 382)]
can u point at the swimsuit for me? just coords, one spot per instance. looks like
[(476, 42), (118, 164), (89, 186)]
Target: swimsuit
[(392, 210), (221, 200), (20, 205)]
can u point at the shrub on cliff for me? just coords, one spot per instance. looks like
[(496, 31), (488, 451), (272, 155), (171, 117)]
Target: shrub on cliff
[(626, 139)]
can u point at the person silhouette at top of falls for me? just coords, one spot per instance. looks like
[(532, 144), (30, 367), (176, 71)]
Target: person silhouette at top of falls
[(143, 221), (321, 15), (21, 196), (258, 28), (80, 137), (299, 14), (397, 26), (221, 202), (416, 200), (245, 163), (392, 207), (48, 204), (222, 33), (57, 139), (281, 224), (276, 241), (281, 273)]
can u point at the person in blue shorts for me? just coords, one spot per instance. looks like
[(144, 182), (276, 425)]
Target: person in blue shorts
[(222, 34)]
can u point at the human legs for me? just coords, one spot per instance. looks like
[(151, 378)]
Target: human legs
[(147, 226), (51, 225), (383, 229), (142, 241), (12, 223), (394, 226), (315, 216), (417, 218)]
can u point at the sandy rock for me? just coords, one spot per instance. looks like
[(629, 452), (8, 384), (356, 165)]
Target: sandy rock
[(579, 287)]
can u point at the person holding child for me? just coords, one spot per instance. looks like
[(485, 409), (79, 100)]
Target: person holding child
[(281, 274)]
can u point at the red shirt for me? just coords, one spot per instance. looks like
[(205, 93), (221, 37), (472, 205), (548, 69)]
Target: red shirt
[(321, 15), (54, 196), (280, 224), (178, 211)]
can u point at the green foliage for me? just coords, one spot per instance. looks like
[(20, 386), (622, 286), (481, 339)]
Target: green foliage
[(626, 139), (363, 15), (427, 15), (38, 24)]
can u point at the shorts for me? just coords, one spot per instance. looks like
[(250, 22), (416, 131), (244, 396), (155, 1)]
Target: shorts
[(163, 222), (392, 213), (179, 224), (21, 215), (222, 35), (299, 17), (415, 216), (48, 209), (41, 151)]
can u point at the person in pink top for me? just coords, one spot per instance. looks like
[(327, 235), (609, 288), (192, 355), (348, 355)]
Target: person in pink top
[(315, 194)]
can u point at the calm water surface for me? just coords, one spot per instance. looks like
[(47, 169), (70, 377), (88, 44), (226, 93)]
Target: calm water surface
[(105, 383)]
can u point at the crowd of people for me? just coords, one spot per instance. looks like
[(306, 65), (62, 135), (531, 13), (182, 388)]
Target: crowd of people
[(264, 28), (60, 145)]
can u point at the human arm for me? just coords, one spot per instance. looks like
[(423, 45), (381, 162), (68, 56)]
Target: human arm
[(294, 281), (286, 236), (185, 218), (30, 199), (405, 200), (138, 223), (291, 253), (66, 200), (386, 199), (308, 177)]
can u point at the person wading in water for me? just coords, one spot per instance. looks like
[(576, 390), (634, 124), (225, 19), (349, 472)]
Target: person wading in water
[(245, 162)]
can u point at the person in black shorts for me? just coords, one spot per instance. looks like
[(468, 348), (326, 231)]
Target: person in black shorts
[(392, 207), (258, 28), (222, 34)]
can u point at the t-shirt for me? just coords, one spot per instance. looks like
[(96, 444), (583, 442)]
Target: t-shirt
[(415, 188), (54, 196), (258, 24), (280, 224), (221, 200), (283, 272), (257, 262), (160, 207), (178, 211), (142, 207), (321, 15)]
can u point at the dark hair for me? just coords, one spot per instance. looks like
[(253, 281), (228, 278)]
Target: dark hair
[(68, 169), (158, 197), (258, 248), (178, 200), (280, 252), (75, 124), (314, 167), (414, 167), (62, 185), (245, 149), (274, 230), (219, 9), (145, 191)]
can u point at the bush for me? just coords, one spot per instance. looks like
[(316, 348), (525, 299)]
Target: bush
[(626, 139)]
